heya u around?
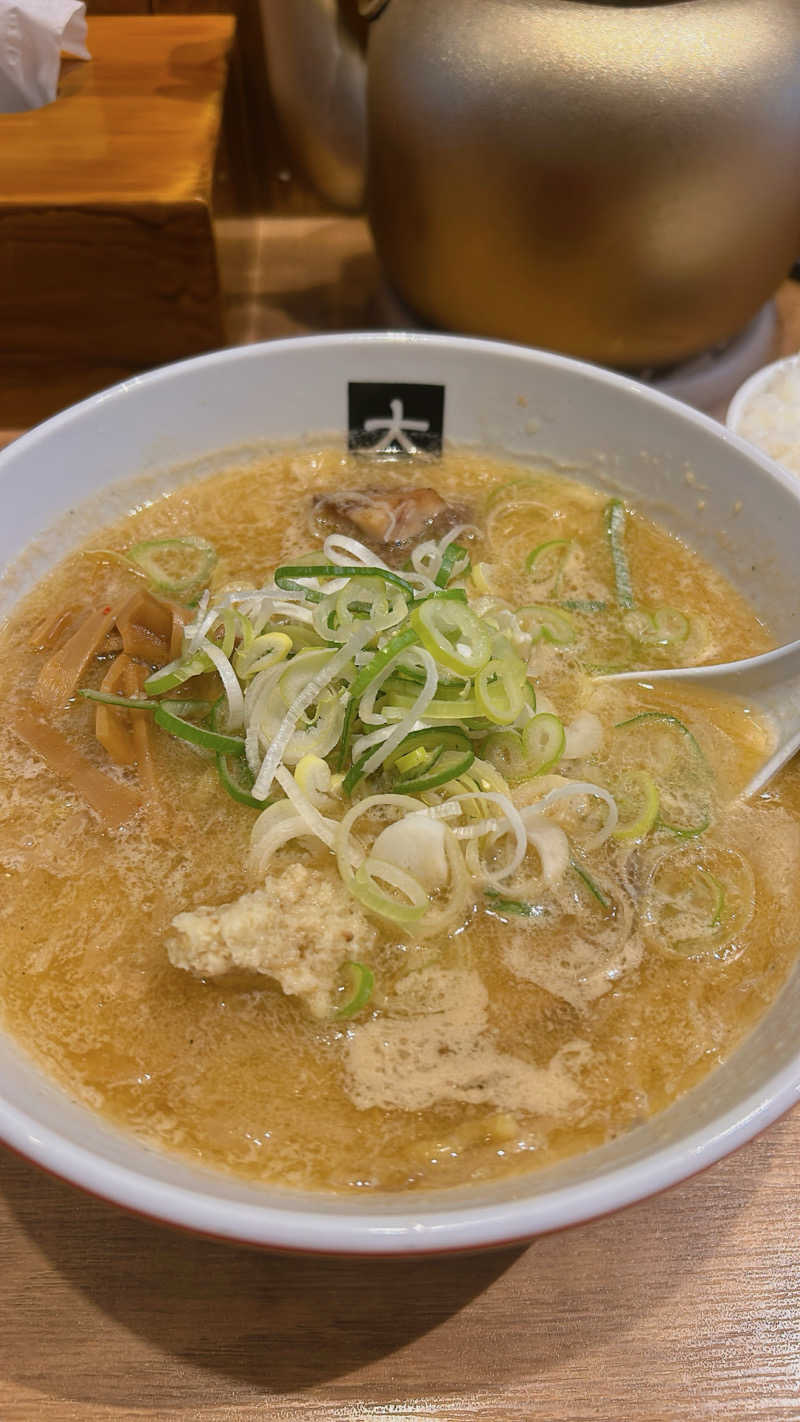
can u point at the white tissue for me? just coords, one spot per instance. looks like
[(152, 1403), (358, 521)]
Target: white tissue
[(32, 35)]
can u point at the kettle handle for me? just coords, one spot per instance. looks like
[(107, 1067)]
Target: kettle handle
[(317, 76)]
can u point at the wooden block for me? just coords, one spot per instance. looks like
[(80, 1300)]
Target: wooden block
[(107, 259)]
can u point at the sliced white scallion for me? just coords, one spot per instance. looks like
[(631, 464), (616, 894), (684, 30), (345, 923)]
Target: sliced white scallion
[(417, 711), (276, 826), (471, 529), (508, 822), (318, 825), (576, 789), (416, 844), (338, 546), (230, 683), (313, 775), (309, 694)]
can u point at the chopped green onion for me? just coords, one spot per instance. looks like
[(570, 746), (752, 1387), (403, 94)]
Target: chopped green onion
[(665, 627), (694, 911), (235, 775), (500, 689), (696, 768), (516, 908), (176, 673), (369, 599), (412, 759), (108, 698), (685, 831), (453, 635), (258, 653), (553, 624), (359, 986), (481, 573), (671, 625), (452, 553), (285, 577), (347, 731), (440, 709), (718, 895), (198, 735), (543, 740), (446, 754), (594, 888), (584, 604), (615, 529), (546, 562), (665, 718), (178, 567), (503, 750), (513, 489), (442, 767), (299, 671), (239, 781), (182, 706), (364, 888), (367, 674), (443, 595), (638, 802), (356, 772)]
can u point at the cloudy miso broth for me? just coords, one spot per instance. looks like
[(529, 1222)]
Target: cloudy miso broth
[(495, 911)]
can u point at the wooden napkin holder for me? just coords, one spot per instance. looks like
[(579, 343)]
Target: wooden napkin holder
[(107, 259)]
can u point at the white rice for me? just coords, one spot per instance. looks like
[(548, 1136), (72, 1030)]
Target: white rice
[(770, 418)]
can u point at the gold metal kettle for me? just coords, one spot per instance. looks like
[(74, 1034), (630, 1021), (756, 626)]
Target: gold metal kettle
[(617, 181)]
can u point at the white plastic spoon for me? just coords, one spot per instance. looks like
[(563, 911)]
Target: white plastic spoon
[(770, 683)]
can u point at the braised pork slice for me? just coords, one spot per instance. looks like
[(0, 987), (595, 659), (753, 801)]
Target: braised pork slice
[(389, 519)]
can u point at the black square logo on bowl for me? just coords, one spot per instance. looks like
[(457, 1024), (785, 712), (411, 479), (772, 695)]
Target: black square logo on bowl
[(395, 419)]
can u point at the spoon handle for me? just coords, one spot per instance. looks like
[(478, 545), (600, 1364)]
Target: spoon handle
[(743, 678), (770, 681)]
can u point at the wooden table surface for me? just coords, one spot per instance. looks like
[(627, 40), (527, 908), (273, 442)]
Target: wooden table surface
[(683, 1307)]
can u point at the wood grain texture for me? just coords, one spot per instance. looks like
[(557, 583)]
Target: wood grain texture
[(684, 1308), (119, 7), (138, 121), (107, 257)]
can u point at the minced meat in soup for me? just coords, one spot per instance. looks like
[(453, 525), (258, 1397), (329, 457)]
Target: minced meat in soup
[(329, 861)]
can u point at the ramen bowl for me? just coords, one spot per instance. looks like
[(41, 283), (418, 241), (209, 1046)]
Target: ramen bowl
[(695, 478)]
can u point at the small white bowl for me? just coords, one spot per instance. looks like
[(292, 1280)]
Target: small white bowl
[(746, 398), (684, 469)]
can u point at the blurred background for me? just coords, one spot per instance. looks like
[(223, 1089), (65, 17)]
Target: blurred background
[(618, 182), (257, 172)]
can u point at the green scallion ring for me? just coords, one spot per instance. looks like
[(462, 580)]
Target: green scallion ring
[(239, 783), (154, 555), (546, 561), (666, 719), (356, 772), (543, 742), (452, 553), (360, 985), (108, 698), (515, 908), (448, 754), (594, 889), (615, 531), (198, 735), (286, 575)]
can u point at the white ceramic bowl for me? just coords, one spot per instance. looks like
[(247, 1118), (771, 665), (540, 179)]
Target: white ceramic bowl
[(679, 466)]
